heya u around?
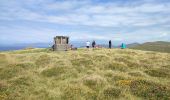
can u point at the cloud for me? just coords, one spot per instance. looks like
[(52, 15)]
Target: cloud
[(77, 13), (139, 20), (163, 34)]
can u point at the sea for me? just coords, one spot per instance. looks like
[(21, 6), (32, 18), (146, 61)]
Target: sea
[(34, 45)]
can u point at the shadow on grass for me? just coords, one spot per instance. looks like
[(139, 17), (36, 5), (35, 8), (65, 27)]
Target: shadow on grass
[(55, 71), (110, 93), (13, 70), (158, 72)]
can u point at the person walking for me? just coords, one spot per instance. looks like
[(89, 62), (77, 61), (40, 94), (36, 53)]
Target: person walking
[(87, 44), (93, 44), (110, 44)]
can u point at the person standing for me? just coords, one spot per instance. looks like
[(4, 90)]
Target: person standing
[(123, 46), (93, 44), (110, 44), (53, 47), (87, 44)]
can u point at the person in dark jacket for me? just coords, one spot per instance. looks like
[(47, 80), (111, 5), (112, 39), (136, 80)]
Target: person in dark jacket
[(93, 44), (53, 47), (110, 44)]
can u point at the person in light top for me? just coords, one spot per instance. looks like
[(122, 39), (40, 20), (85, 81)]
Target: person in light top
[(87, 44)]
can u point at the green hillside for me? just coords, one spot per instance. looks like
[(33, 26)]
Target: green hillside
[(159, 46), (101, 74)]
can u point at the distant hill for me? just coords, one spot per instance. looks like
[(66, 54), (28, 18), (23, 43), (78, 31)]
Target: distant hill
[(159, 46), (132, 45)]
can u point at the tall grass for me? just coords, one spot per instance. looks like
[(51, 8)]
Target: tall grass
[(101, 74)]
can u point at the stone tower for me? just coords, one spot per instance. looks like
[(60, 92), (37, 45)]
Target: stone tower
[(61, 43)]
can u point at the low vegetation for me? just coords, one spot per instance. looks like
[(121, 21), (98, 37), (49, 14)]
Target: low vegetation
[(101, 74), (159, 46)]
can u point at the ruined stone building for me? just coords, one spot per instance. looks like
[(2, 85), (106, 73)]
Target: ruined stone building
[(61, 43)]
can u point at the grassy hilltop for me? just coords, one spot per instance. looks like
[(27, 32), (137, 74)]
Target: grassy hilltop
[(40, 74)]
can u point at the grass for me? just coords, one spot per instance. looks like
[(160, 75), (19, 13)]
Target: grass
[(111, 93), (101, 74), (150, 90), (94, 82), (53, 72), (43, 60), (159, 72)]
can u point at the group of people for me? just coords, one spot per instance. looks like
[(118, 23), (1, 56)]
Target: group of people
[(123, 46), (93, 44)]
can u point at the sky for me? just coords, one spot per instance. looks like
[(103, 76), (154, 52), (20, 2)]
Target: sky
[(38, 21)]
